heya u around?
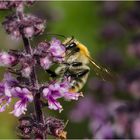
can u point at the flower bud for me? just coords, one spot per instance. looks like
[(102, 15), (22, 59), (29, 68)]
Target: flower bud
[(30, 25), (7, 59), (46, 62)]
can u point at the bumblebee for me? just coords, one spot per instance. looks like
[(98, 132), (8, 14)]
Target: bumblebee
[(76, 67)]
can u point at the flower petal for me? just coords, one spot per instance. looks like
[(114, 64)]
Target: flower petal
[(4, 102), (56, 48), (19, 108), (46, 62), (53, 104)]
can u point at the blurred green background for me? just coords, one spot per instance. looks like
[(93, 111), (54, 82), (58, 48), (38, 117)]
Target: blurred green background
[(84, 20)]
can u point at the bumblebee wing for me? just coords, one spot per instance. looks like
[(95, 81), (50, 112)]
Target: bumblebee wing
[(102, 72)]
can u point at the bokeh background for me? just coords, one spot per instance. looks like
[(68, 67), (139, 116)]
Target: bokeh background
[(111, 31)]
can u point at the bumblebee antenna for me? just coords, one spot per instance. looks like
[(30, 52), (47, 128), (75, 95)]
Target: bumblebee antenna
[(56, 35), (72, 37)]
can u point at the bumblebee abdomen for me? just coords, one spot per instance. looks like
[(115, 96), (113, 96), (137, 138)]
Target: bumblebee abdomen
[(79, 80), (78, 73)]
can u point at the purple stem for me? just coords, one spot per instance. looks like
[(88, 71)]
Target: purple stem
[(33, 80)]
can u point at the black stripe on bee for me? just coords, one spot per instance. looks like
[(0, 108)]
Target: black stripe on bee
[(78, 84), (76, 64), (81, 73)]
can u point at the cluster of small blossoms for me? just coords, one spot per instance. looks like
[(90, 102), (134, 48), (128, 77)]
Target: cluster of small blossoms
[(21, 83), (49, 52), (29, 25), (9, 89), (54, 91), (14, 3), (44, 55), (28, 126)]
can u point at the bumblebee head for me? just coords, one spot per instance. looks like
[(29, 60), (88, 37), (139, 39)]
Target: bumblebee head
[(74, 46), (70, 43)]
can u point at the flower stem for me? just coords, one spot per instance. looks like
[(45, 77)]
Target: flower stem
[(33, 80)]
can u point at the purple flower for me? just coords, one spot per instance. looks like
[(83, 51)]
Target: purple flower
[(6, 85), (25, 96), (55, 127), (5, 91), (110, 8), (58, 90), (31, 25), (131, 17), (57, 49), (7, 59), (136, 128), (9, 90), (4, 102), (95, 85), (50, 52), (134, 88), (3, 4), (42, 49), (134, 47), (14, 3), (106, 132), (51, 94), (26, 63), (9, 80), (10, 4), (82, 110), (26, 71), (112, 57), (5, 97), (46, 62), (112, 30)]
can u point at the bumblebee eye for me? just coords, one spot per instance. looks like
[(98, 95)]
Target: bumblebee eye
[(70, 46)]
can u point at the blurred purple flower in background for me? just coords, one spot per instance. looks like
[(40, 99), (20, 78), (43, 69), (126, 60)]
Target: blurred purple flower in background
[(110, 8), (112, 108), (112, 30), (112, 57), (131, 17), (134, 46)]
